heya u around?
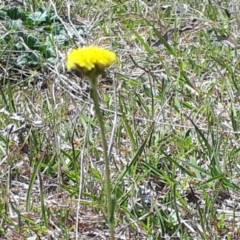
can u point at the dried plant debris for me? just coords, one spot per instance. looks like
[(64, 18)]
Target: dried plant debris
[(191, 25)]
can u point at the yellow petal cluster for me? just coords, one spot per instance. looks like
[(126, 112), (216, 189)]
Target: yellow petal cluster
[(90, 58)]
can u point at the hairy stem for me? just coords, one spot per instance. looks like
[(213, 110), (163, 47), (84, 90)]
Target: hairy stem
[(94, 95)]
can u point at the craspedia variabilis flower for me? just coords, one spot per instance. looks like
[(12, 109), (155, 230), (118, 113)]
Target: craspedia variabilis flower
[(89, 59)]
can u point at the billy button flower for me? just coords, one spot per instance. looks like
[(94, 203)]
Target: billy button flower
[(91, 62)]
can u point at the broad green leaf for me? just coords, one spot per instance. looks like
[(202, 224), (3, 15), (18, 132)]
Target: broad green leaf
[(37, 18), (16, 13)]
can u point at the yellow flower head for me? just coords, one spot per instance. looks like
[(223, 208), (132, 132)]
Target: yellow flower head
[(87, 59)]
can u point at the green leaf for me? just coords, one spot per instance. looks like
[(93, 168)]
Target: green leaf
[(140, 40), (15, 25), (30, 187), (16, 13), (29, 60), (96, 174), (136, 156), (3, 15), (31, 41), (37, 18), (162, 39)]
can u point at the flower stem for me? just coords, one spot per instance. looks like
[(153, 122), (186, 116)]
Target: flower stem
[(94, 95)]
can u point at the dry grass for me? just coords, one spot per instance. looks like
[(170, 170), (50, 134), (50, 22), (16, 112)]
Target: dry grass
[(171, 110)]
